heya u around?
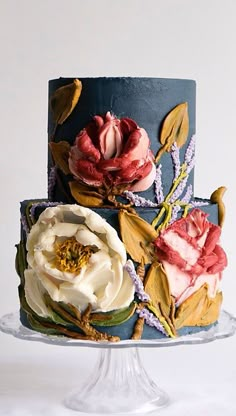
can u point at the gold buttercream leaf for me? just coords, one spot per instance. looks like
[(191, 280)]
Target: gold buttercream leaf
[(157, 287), (213, 310), (137, 235), (84, 195), (199, 309), (175, 127), (60, 154), (64, 100), (217, 198)]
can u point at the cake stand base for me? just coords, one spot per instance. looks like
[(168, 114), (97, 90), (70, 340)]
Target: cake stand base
[(118, 385)]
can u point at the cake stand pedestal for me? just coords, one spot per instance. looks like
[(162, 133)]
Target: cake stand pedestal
[(119, 384)]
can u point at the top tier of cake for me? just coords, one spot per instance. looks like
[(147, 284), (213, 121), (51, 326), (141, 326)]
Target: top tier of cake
[(147, 101)]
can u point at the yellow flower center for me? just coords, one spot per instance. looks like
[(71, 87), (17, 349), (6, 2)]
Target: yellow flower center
[(71, 256)]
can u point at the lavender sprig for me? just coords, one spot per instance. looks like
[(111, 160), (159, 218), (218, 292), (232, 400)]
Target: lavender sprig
[(190, 165), (151, 320), (179, 190), (52, 181), (175, 159), (138, 284), (24, 224), (199, 203), (189, 161), (188, 194), (139, 201), (189, 154), (158, 185)]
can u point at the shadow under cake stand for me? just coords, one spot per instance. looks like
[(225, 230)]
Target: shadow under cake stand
[(119, 384)]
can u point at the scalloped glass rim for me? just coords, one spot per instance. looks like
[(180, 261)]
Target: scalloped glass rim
[(225, 327)]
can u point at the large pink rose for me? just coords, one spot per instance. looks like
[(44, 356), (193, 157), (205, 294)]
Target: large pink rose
[(113, 152), (191, 254)]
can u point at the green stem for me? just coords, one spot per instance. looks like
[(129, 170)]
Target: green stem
[(166, 207), (177, 181), (159, 216)]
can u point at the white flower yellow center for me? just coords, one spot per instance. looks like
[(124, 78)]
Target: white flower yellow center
[(76, 257), (71, 256)]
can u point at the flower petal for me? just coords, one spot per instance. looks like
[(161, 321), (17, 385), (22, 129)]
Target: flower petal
[(88, 173), (34, 292), (137, 146), (85, 145), (101, 282), (146, 180), (110, 140)]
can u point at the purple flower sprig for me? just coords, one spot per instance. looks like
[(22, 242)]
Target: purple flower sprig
[(52, 177), (151, 320), (185, 169), (158, 185), (195, 204), (138, 284), (24, 224), (190, 151), (188, 195), (139, 201), (175, 159)]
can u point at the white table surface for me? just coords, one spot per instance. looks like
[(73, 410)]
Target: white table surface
[(35, 377)]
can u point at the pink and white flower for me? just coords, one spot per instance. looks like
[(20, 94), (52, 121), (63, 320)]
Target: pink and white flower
[(115, 152), (190, 252)]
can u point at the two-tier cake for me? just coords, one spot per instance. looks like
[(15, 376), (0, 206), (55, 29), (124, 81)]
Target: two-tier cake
[(121, 249)]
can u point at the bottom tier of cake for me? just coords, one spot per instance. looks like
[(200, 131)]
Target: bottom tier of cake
[(119, 273)]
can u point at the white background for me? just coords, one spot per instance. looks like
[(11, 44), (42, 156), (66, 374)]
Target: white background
[(169, 38)]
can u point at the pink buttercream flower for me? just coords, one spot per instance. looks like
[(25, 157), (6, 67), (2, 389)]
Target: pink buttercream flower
[(113, 151), (191, 255)]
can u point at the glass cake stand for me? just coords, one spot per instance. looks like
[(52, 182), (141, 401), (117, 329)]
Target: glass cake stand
[(119, 384)]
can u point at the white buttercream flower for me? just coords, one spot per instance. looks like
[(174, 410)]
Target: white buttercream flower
[(76, 257)]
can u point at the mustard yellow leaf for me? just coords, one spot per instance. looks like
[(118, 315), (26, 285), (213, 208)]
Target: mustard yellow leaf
[(213, 310), (60, 154), (85, 195), (64, 100), (137, 235), (175, 127), (217, 198), (198, 309), (157, 287)]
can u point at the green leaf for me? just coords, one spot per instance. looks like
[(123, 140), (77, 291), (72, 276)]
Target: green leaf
[(20, 261), (23, 301), (117, 317), (41, 327)]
